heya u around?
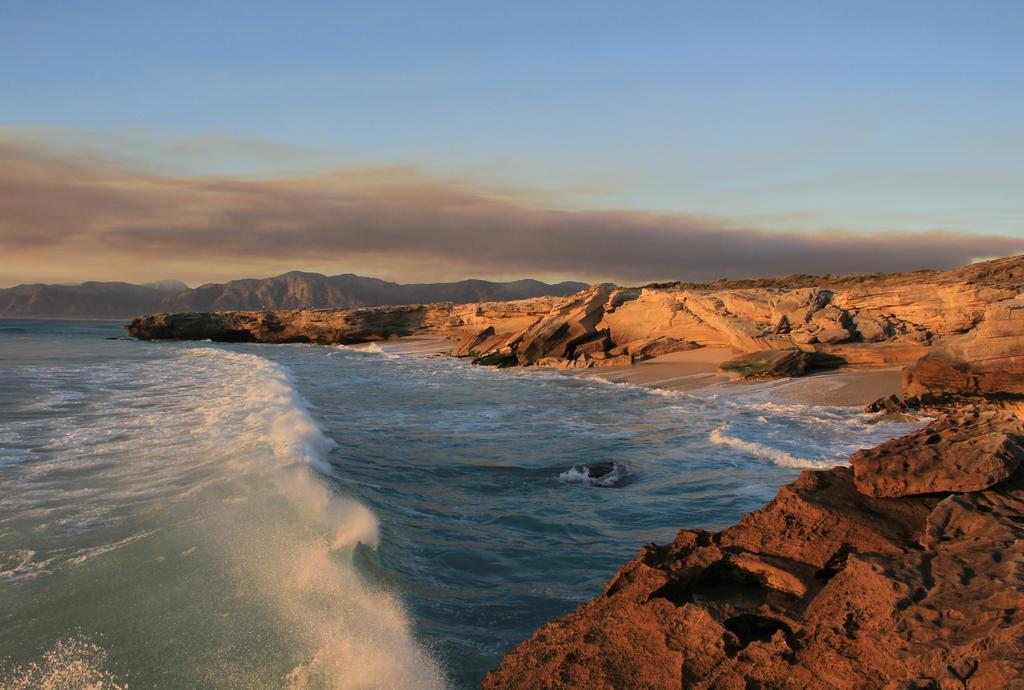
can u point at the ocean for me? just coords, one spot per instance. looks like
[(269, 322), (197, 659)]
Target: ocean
[(202, 515)]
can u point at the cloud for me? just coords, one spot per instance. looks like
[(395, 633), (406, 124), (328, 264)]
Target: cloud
[(86, 210)]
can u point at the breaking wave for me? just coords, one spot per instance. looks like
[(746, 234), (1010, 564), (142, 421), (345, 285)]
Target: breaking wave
[(357, 635), (773, 455)]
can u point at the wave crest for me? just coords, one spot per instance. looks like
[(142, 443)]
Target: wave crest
[(773, 455)]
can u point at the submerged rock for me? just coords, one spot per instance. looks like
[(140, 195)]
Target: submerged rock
[(604, 474)]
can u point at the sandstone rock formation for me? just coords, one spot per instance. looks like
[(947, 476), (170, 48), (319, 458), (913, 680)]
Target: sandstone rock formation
[(987, 361), (293, 326), (891, 319), (969, 314)]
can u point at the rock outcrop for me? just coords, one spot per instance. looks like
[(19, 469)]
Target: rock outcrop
[(882, 319), (326, 326), (985, 362), (963, 450), (901, 571), (827, 586)]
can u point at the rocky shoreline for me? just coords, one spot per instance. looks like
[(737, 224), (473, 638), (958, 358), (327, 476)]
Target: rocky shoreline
[(904, 570)]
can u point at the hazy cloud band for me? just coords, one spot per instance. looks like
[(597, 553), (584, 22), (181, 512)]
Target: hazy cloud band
[(68, 208)]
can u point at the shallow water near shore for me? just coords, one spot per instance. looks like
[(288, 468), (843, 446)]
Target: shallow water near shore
[(247, 516)]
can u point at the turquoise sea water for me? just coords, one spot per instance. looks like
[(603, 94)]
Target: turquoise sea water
[(248, 516)]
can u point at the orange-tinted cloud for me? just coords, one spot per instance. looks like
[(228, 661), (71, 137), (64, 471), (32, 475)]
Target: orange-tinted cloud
[(66, 215)]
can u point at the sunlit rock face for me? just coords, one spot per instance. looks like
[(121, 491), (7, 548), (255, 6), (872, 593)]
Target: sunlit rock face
[(969, 314)]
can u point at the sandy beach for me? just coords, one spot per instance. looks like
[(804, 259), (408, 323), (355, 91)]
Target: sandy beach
[(695, 370)]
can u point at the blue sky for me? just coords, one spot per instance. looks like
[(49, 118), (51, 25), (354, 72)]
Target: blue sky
[(808, 116)]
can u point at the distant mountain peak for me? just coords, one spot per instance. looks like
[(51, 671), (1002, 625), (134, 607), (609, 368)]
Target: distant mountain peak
[(291, 290)]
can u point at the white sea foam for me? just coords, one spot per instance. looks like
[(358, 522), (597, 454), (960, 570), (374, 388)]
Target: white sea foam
[(223, 452), (74, 663), (773, 455)]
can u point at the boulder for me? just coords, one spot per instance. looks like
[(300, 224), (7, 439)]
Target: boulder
[(597, 343), (654, 347), (890, 404), (501, 359), (870, 329), (803, 337), (832, 334), (964, 450), (768, 364)]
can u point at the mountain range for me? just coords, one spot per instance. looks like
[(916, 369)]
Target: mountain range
[(293, 290)]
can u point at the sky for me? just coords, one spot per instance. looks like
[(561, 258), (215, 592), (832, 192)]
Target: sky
[(444, 140)]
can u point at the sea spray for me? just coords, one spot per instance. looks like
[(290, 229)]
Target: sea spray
[(357, 635)]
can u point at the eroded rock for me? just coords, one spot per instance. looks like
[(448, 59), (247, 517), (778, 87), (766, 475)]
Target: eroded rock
[(987, 361), (967, 450)]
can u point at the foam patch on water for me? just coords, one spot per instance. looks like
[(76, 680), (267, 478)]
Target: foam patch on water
[(773, 455), (73, 663), (22, 565)]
